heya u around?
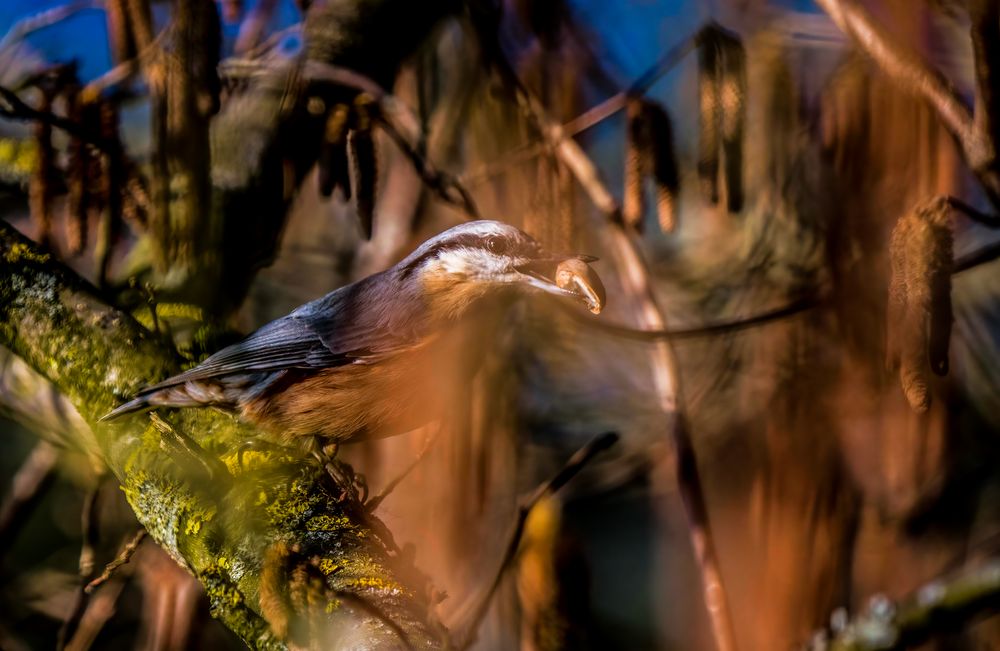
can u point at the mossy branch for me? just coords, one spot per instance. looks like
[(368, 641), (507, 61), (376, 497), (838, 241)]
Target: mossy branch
[(940, 606), (224, 530)]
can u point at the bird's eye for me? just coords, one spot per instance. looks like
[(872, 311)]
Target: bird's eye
[(496, 245)]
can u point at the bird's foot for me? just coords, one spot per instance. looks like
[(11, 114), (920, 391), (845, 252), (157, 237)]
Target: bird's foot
[(350, 483)]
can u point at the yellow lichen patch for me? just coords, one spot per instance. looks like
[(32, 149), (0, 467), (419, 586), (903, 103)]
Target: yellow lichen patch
[(373, 583), (18, 158), (19, 251), (196, 518), (289, 506), (329, 523), (328, 566), (220, 590), (169, 311), (239, 463)]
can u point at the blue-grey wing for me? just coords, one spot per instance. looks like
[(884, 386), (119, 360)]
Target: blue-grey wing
[(283, 344), (340, 328)]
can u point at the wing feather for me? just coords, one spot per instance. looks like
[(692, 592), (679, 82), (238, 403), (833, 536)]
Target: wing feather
[(343, 327)]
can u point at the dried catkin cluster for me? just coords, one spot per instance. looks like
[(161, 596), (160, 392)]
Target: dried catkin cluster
[(649, 154), (919, 307), (722, 90), (100, 182), (348, 157)]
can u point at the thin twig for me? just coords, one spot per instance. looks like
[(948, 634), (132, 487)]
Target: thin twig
[(88, 526), (99, 610), (592, 116), (128, 69), (44, 19), (372, 504), (988, 253), (935, 608), (444, 185), (903, 65), (472, 616), (14, 108), (363, 604), (707, 330), (29, 484), (272, 41), (911, 73), (124, 557), (485, 20)]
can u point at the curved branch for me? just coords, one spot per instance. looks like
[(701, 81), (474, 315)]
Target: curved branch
[(908, 71), (903, 65), (936, 608), (220, 530)]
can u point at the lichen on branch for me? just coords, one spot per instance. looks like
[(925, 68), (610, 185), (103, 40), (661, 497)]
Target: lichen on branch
[(221, 525)]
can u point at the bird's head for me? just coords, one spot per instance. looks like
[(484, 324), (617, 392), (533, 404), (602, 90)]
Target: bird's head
[(474, 259)]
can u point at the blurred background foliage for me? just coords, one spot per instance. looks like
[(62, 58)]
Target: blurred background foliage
[(823, 485)]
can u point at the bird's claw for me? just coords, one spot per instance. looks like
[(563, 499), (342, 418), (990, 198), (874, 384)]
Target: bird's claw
[(350, 483)]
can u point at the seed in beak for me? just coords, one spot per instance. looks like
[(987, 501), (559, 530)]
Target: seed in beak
[(576, 276)]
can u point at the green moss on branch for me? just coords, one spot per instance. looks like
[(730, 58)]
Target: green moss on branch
[(218, 527)]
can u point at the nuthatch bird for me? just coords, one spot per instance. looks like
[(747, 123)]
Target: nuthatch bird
[(381, 356)]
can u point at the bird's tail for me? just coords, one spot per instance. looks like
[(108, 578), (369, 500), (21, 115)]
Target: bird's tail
[(139, 403), (183, 394)]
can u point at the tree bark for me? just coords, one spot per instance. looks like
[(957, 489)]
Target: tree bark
[(274, 548)]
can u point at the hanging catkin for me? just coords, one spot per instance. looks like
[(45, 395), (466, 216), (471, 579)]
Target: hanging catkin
[(709, 72), (649, 154), (732, 104), (663, 164), (920, 311), (333, 166), (634, 201), (722, 87), (364, 164)]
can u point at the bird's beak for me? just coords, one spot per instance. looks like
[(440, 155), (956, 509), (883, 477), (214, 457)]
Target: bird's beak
[(568, 276)]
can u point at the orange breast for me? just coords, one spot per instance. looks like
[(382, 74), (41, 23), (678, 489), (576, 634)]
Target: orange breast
[(370, 399)]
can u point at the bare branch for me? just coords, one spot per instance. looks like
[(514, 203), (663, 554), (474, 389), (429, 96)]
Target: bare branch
[(45, 19), (905, 67), (707, 330), (472, 615), (985, 30), (88, 527), (404, 127), (29, 483), (14, 108), (126, 70), (94, 353), (935, 608), (99, 610), (123, 558), (374, 502)]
